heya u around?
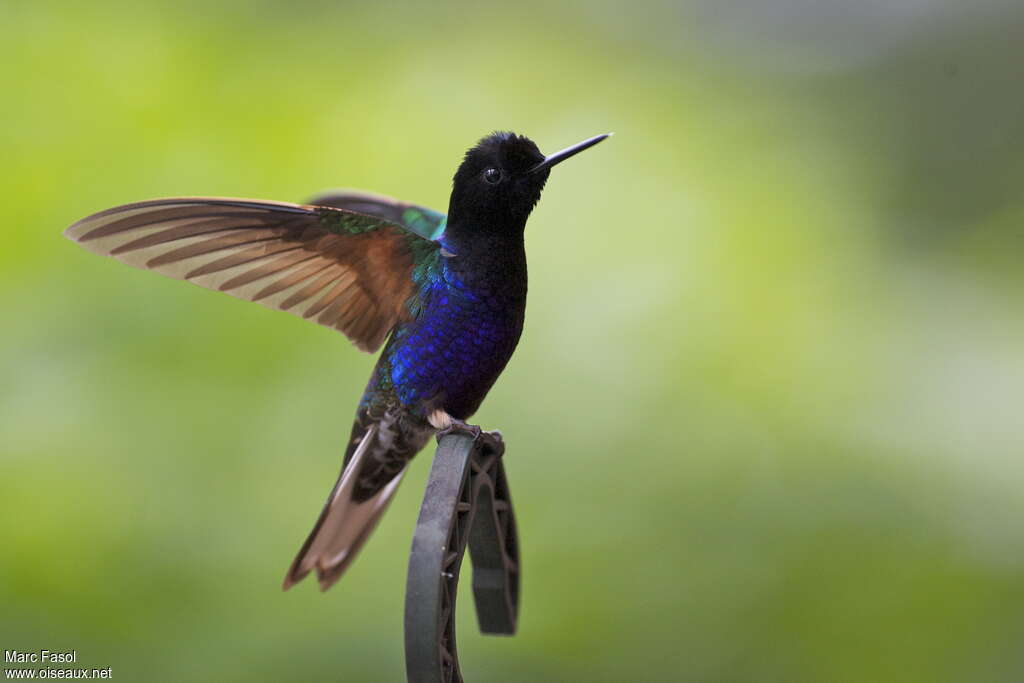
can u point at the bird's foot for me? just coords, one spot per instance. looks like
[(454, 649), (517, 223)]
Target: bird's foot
[(459, 427), (491, 440)]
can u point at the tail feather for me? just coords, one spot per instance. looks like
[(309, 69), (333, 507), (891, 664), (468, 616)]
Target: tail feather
[(343, 525)]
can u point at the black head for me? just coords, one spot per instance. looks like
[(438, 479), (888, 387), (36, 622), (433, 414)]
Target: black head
[(500, 181)]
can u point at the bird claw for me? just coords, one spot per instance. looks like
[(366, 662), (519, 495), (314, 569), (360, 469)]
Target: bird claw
[(460, 427), (492, 440)]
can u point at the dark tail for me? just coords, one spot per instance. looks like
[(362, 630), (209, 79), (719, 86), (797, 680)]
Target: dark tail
[(344, 524)]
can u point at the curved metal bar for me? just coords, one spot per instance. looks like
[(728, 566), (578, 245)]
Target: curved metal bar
[(467, 502)]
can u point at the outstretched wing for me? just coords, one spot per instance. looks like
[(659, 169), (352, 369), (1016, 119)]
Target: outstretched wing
[(425, 222), (343, 269)]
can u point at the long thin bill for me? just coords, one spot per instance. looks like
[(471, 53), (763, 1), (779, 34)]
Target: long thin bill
[(559, 157)]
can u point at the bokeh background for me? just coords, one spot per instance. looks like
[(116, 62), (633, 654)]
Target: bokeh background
[(765, 423)]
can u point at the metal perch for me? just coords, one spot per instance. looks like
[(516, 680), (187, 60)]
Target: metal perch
[(467, 500)]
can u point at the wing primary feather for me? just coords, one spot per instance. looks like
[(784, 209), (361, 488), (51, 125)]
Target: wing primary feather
[(343, 283), (292, 279), (343, 268), (309, 290), (252, 204), (358, 322), (185, 231), (263, 270), (241, 257), (145, 219), (337, 308), (216, 243)]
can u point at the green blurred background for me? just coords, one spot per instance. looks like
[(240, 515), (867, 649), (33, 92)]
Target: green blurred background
[(765, 423)]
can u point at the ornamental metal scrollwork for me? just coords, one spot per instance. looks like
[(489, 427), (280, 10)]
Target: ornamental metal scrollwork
[(466, 502)]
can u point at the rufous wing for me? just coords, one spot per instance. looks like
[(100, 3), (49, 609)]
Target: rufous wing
[(337, 267)]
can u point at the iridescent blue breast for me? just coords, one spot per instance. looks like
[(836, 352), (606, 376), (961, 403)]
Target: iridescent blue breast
[(465, 333)]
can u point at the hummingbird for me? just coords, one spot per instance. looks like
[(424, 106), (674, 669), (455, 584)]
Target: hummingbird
[(444, 294)]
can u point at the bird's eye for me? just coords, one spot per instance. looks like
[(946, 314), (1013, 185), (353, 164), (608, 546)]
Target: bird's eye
[(493, 176)]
